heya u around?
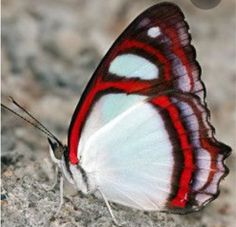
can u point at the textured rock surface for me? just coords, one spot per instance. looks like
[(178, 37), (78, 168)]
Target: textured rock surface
[(49, 51)]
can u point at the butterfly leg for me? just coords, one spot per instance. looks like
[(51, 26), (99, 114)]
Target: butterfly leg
[(110, 210), (61, 195), (51, 187), (53, 217)]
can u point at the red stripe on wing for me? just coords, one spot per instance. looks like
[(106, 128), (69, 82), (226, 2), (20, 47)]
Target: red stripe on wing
[(184, 185)]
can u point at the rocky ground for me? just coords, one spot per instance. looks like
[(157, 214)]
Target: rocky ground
[(49, 51)]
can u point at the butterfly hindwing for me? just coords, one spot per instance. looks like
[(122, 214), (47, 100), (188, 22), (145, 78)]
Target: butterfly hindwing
[(198, 155), (159, 154)]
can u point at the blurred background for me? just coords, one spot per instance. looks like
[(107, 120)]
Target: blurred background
[(49, 51)]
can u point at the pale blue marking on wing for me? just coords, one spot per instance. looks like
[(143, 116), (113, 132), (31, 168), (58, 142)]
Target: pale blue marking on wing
[(131, 65), (114, 104)]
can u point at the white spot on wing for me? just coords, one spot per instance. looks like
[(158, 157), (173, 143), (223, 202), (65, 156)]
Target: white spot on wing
[(131, 65), (154, 32)]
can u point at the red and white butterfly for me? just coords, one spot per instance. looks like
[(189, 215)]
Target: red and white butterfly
[(140, 135)]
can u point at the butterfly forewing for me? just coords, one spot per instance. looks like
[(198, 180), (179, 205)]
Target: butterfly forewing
[(141, 126), (151, 56)]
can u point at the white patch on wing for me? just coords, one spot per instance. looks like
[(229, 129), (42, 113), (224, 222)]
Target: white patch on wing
[(131, 65), (131, 158), (153, 32)]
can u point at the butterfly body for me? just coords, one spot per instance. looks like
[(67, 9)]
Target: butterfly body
[(140, 133)]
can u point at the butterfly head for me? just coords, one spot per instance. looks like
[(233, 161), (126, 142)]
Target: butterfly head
[(59, 155), (57, 150)]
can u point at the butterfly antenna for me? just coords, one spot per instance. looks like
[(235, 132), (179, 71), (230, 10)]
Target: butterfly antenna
[(30, 115), (38, 124), (25, 119)]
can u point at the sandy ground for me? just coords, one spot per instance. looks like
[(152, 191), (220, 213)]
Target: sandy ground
[(49, 51)]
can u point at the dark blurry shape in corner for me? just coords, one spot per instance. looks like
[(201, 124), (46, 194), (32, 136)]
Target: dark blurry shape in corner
[(206, 4)]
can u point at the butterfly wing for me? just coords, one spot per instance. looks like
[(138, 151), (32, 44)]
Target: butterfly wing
[(121, 124)]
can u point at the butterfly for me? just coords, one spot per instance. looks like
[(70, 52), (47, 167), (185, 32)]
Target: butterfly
[(140, 135)]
